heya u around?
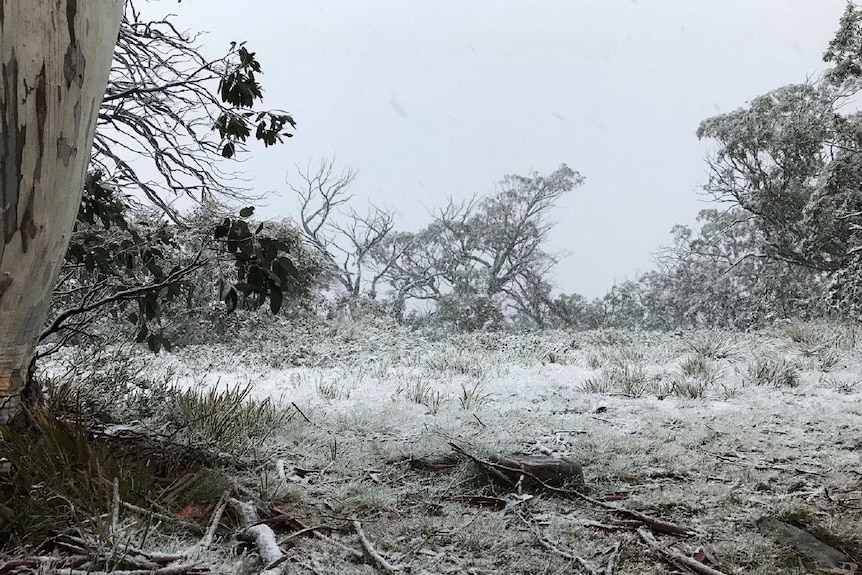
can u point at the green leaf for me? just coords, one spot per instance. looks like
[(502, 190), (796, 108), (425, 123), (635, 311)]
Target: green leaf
[(154, 343), (231, 299), (221, 231), (246, 212), (275, 298), (228, 150), (133, 318), (142, 334)]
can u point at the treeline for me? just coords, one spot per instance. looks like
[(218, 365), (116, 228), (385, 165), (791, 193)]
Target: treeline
[(782, 241)]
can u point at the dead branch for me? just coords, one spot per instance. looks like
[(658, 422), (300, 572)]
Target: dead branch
[(193, 527), (207, 539), (180, 569), (260, 534), (653, 523), (372, 554), (676, 557), (547, 544)]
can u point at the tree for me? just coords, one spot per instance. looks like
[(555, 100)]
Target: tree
[(154, 102), (485, 258), (168, 105), (347, 240), (54, 58), (792, 160)]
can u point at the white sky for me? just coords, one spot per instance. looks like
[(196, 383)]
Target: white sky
[(428, 99)]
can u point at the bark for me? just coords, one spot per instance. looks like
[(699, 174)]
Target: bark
[(55, 56)]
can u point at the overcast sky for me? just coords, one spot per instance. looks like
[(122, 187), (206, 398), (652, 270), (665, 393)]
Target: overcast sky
[(431, 99)]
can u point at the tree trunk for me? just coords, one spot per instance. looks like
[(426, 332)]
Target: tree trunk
[(55, 56)]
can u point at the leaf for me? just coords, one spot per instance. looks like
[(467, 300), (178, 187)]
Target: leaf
[(221, 231), (246, 212), (142, 334), (231, 299), (228, 150), (133, 318), (154, 343), (275, 299), (194, 510)]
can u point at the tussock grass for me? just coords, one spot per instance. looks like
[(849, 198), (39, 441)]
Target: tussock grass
[(474, 395), (223, 419), (422, 392), (712, 345), (772, 372)]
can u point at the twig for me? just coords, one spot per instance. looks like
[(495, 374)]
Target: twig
[(115, 508), (375, 557), (207, 539), (296, 407), (178, 569), (653, 523), (612, 559), (677, 557), (547, 544), (193, 527)]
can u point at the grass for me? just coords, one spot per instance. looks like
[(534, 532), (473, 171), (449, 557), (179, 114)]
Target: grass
[(772, 372), (698, 429), (224, 419)]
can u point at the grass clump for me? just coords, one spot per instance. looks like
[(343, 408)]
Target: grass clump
[(473, 396), (620, 377), (697, 376), (61, 476), (772, 372), (420, 391), (711, 345), (225, 420)]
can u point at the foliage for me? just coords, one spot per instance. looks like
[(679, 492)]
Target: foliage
[(146, 269), (791, 162), (482, 260), (169, 104), (717, 277)]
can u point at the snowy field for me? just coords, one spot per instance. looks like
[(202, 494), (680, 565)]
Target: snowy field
[(714, 431)]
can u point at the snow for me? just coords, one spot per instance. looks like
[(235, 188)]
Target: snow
[(719, 461)]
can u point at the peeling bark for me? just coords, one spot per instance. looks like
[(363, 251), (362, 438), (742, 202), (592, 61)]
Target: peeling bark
[(55, 56)]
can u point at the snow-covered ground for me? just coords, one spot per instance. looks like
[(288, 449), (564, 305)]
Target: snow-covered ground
[(711, 430)]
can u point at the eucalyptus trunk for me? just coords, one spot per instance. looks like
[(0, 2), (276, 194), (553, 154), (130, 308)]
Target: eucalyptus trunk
[(55, 57)]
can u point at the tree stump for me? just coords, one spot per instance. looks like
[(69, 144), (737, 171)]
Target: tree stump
[(553, 471)]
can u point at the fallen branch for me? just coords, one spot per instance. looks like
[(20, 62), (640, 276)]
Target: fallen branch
[(372, 554), (676, 557), (193, 527), (207, 539), (547, 544), (180, 569), (653, 523), (260, 534)]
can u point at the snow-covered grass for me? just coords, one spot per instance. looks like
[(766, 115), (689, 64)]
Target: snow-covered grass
[(713, 430)]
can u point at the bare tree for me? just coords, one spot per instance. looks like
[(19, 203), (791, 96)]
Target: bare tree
[(350, 242)]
